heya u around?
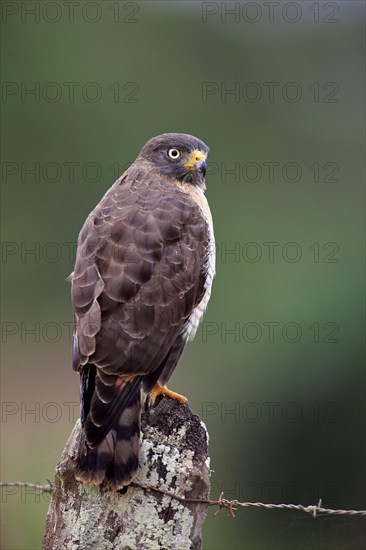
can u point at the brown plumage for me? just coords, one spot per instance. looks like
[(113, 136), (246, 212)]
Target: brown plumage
[(141, 283)]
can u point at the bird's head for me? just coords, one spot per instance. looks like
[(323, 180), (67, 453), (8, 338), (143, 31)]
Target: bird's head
[(178, 156)]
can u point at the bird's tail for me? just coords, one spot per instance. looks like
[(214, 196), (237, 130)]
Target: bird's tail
[(114, 460)]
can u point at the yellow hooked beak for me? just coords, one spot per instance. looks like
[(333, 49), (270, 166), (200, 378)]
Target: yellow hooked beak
[(197, 161)]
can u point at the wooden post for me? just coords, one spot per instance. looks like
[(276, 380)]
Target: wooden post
[(173, 457)]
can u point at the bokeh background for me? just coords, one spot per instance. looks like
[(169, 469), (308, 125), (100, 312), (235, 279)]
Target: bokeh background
[(276, 370)]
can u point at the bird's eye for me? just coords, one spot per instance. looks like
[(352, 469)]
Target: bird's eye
[(174, 154)]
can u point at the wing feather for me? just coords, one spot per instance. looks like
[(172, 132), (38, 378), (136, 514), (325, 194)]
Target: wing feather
[(139, 274)]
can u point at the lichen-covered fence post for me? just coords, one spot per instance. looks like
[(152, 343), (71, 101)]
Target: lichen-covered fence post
[(173, 457)]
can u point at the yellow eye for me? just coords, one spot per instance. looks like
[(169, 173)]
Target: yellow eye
[(174, 154)]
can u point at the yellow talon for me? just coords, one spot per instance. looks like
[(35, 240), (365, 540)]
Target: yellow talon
[(163, 390)]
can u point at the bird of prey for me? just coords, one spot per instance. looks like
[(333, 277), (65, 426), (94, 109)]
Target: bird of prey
[(142, 279)]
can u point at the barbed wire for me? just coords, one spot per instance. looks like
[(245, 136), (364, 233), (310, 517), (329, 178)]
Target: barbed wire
[(47, 488), (231, 505)]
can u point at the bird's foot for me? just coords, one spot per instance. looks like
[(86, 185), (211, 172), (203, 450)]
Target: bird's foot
[(163, 390)]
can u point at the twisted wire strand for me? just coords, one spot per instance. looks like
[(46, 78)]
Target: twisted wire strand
[(231, 505)]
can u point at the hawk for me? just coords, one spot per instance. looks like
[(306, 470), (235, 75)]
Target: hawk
[(142, 279)]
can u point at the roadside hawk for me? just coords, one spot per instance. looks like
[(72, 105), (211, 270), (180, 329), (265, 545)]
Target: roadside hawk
[(142, 279)]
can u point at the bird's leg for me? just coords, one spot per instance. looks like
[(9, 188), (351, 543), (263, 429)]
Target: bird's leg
[(163, 390)]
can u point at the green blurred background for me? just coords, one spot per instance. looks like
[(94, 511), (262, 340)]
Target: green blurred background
[(276, 370)]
